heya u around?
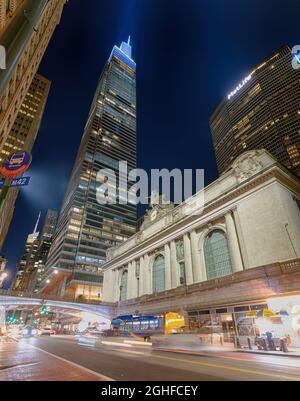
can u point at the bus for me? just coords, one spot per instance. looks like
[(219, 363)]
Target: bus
[(142, 328)]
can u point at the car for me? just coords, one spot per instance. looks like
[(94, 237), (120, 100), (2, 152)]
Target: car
[(47, 331), (29, 331)]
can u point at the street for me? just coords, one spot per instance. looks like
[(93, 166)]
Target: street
[(134, 363)]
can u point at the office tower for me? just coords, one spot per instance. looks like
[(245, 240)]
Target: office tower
[(263, 111), (43, 249), (26, 265), (3, 273), (8, 10), (86, 229), (26, 28), (22, 137)]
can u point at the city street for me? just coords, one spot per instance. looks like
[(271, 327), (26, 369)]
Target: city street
[(133, 363)]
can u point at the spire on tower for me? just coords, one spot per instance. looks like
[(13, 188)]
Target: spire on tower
[(126, 47), (37, 223)]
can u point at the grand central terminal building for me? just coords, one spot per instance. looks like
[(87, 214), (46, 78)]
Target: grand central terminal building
[(235, 266)]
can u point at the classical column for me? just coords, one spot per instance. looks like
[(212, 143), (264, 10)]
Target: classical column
[(175, 274), (242, 243), (142, 277), (134, 283), (234, 248), (188, 260), (148, 275), (197, 267), (168, 279), (130, 280)]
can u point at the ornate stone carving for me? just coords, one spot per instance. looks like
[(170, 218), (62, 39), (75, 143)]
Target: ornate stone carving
[(247, 166), (139, 237)]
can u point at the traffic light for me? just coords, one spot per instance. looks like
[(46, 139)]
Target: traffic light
[(45, 311)]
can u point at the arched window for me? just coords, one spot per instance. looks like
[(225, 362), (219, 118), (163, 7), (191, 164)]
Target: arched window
[(123, 286), (217, 257), (159, 274)]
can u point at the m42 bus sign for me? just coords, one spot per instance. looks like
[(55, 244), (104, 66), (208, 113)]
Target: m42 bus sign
[(17, 182), (15, 164), (20, 182)]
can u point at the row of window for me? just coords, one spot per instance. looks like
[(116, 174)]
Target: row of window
[(217, 263)]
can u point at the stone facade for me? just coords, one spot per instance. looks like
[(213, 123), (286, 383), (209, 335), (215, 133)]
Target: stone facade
[(255, 205)]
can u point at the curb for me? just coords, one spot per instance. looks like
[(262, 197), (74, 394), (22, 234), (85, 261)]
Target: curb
[(208, 353)]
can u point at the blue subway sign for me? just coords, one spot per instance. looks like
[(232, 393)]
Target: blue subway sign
[(20, 182)]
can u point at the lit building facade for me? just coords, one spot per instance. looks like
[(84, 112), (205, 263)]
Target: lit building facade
[(26, 266), (263, 112), (44, 246), (86, 229), (26, 28), (222, 267), (8, 10), (22, 137)]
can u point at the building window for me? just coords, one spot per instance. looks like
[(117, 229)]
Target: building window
[(123, 286), (217, 257), (159, 274)]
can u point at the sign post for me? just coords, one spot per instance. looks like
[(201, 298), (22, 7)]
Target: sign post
[(15, 164)]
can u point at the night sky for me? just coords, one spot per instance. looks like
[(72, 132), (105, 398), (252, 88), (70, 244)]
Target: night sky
[(189, 54)]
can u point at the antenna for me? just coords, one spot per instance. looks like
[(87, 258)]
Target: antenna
[(37, 223)]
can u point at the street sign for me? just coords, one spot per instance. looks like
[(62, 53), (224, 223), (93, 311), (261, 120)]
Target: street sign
[(15, 164), (20, 182)]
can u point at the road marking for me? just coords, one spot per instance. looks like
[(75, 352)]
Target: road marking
[(241, 370), (106, 378), (22, 365), (116, 344), (140, 344)]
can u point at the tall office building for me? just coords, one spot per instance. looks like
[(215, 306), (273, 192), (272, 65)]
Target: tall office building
[(26, 27), (22, 137), (26, 265), (86, 229), (263, 111), (43, 249)]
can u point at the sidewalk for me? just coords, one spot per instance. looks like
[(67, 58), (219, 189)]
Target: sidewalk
[(202, 350), (21, 362)]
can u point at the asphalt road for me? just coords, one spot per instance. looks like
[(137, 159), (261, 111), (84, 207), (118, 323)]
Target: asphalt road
[(139, 364)]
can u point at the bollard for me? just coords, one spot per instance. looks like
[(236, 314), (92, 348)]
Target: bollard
[(283, 346), (221, 341), (237, 342), (249, 343), (265, 346)]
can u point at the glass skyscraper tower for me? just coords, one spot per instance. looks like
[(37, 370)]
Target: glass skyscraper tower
[(86, 229)]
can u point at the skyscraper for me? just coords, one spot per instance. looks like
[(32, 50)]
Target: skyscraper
[(27, 27), (263, 111), (43, 249), (26, 265), (85, 228), (22, 137)]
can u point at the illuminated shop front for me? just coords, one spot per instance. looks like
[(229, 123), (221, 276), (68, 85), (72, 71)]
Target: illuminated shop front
[(279, 316), (286, 321)]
